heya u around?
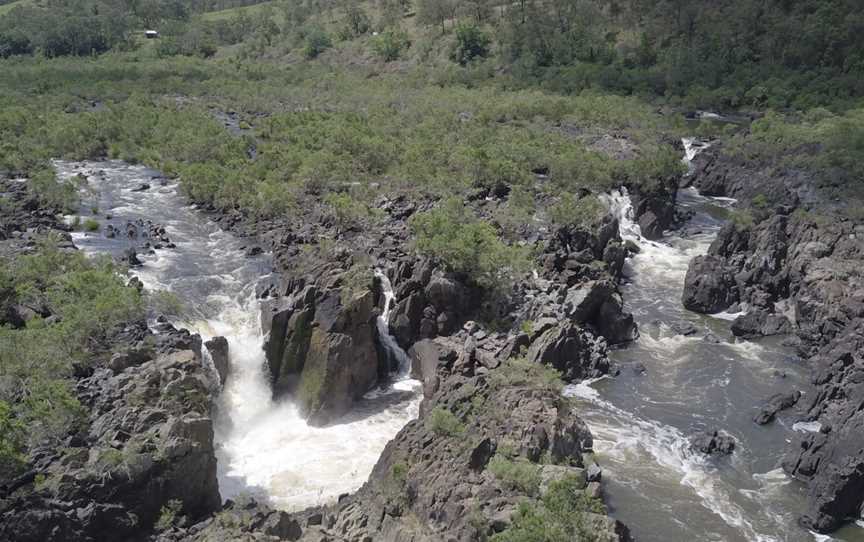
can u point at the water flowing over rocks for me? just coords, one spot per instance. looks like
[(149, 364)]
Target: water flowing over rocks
[(795, 272), (151, 438)]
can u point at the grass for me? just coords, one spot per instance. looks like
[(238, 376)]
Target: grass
[(521, 372), (6, 8), (518, 474), (445, 423), (249, 11)]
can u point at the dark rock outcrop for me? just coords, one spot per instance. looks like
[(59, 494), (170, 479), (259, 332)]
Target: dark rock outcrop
[(323, 349), (832, 460), (797, 267), (713, 443), (569, 349), (218, 349), (760, 323), (150, 441), (709, 286), (434, 482)]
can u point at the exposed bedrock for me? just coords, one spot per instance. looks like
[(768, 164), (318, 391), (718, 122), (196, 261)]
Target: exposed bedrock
[(434, 480), (654, 206), (322, 347), (148, 440), (795, 271)]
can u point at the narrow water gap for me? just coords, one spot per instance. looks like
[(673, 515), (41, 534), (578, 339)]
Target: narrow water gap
[(264, 447), (687, 374)]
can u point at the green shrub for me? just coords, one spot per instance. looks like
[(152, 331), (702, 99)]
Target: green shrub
[(572, 211), (91, 225), (89, 299), (760, 201), (452, 235), (518, 474), (518, 372), (445, 423), (168, 514), (471, 43), (560, 516), (12, 442), (317, 41), (390, 44)]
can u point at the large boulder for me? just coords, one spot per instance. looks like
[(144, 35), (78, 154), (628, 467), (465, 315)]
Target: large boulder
[(571, 350), (342, 362), (218, 349), (774, 404), (598, 302), (709, 286), (713, 443), (614, 323), (760, 323)]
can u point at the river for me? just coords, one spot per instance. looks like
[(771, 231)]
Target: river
[(641, 421), (264, 447)]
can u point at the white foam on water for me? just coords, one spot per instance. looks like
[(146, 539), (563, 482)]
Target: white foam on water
[(730, 316), (622, 438), (807, 427), (264, 447), (665, 260)]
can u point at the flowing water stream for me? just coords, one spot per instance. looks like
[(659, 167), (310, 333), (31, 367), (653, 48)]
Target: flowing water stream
[(264, 447), (642, 421)]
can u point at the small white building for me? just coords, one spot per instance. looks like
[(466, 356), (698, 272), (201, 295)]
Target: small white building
[(151, 34)]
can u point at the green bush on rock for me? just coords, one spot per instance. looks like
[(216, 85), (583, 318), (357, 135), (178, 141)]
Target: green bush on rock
[(560, 516), (464, 244)]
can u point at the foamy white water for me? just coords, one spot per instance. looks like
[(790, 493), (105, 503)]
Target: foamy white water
[(707, 380), (264, 447)]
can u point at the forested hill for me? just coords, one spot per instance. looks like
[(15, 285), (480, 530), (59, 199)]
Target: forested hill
[(728, 53)]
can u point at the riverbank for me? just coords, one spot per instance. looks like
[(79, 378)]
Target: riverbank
[(793, 265), (558, 456)]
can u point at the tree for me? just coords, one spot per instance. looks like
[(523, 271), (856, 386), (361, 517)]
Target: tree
[(454, 236), (435, 12), (471, 43)]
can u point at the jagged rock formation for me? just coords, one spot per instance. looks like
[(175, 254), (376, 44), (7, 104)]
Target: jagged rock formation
[(322, 345), (795, 271), (435, 479), (148, 441)]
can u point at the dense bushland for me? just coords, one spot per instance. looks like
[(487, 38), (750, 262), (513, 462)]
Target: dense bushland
[(722, 54), (64, 305)]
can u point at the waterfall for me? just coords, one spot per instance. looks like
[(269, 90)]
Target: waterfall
[(264, 446), (394, 351)]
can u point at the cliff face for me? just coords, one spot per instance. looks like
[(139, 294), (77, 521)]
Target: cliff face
[(797, 271)]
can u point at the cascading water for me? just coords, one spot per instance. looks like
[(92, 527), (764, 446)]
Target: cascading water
[(403, 363), (264, 447), (705, 381)]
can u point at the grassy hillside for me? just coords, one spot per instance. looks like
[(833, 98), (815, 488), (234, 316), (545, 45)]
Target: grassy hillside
[(248, 11), (6, 8)]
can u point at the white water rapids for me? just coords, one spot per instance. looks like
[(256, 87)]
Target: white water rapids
[(264, 447), (707, 381), (641, 423)]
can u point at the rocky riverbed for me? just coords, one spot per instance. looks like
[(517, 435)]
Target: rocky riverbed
[(796, 268), (334, 338)]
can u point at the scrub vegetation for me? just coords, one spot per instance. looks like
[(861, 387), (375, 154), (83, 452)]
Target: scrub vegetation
[(64, 307)]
